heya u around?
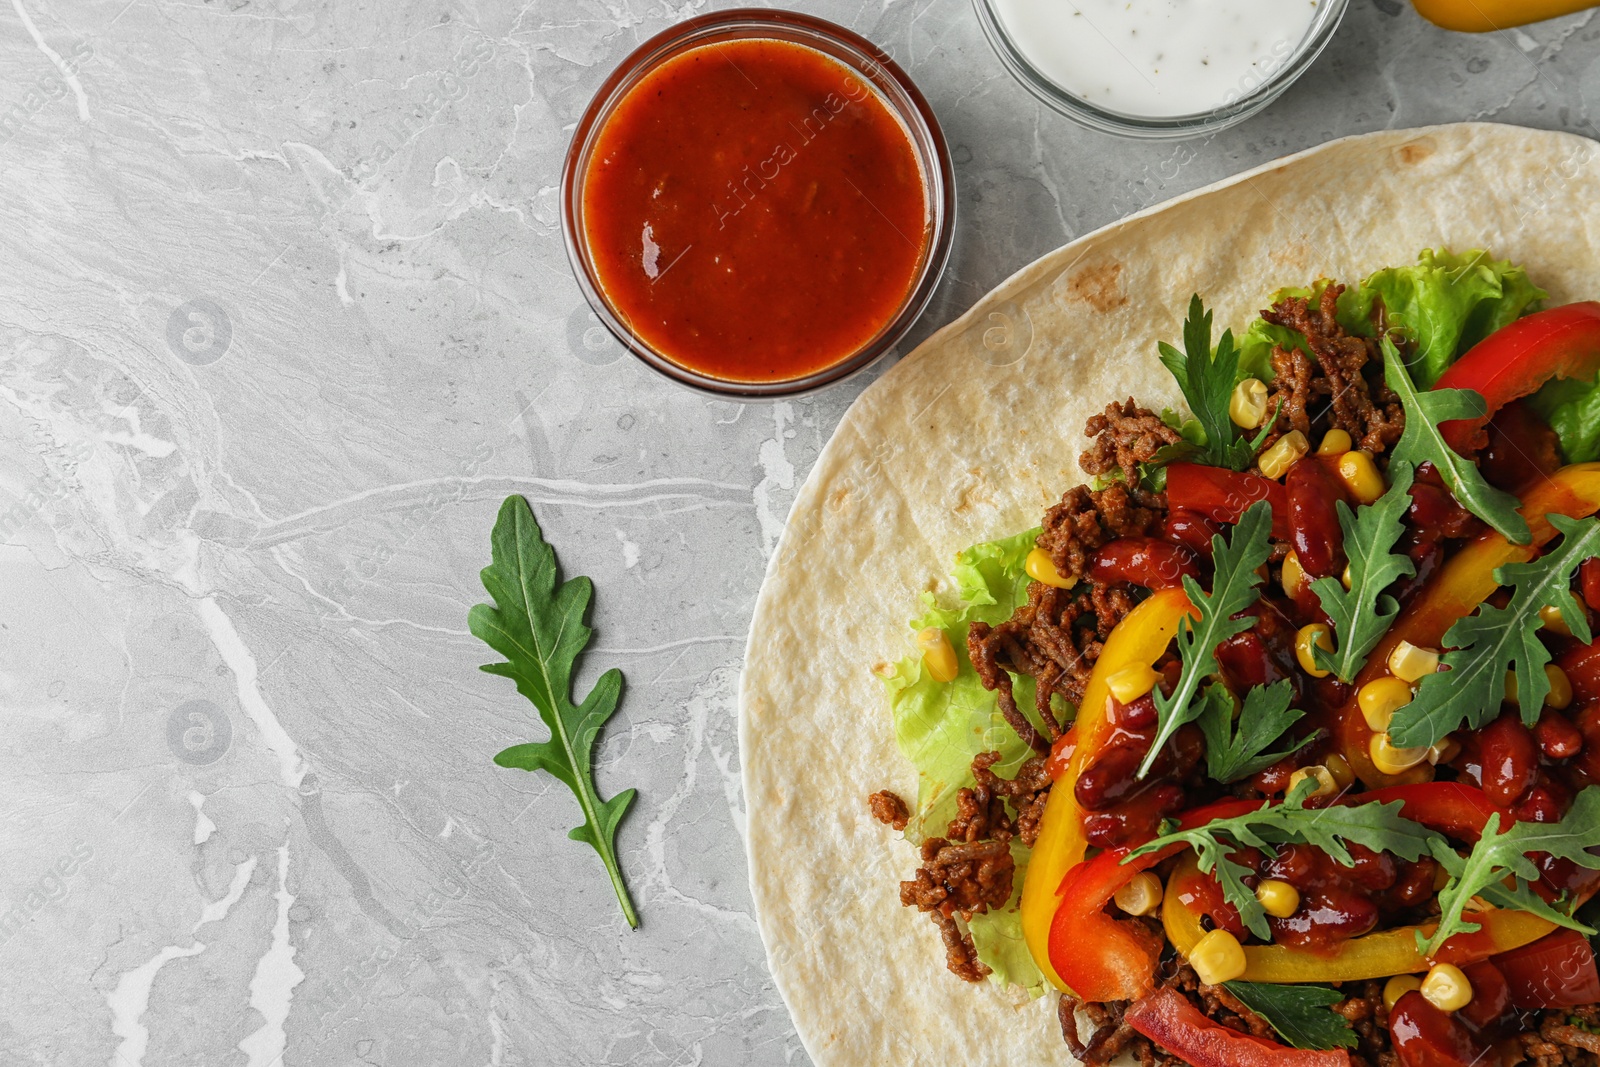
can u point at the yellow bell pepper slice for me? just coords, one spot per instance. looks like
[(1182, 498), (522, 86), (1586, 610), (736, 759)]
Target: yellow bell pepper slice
[(1464, 582), (1481, 16), (1377, 955), (1139, 639)]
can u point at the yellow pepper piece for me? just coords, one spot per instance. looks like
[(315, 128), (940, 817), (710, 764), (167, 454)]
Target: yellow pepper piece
[(1140, 638), (1482, 16), (938, 655)]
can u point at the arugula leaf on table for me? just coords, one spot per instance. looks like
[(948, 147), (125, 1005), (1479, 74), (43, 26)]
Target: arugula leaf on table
[(1238, 752), (1207, 379), (1363, 613), (1235, 586), (1491, 641), (1299, 1013), (537, 625), (1423, 443), (1379, 827), (1500, 857)]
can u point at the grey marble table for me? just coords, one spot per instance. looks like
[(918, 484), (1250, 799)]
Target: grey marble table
[(284, 314)]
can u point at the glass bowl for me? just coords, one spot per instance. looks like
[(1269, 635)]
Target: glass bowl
[(1252, 100), (874, 67)]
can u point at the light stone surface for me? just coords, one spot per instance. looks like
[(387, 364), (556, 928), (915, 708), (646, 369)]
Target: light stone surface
[(284, 314)]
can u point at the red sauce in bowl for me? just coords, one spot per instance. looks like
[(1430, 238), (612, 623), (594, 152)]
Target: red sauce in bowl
[(754, 211)]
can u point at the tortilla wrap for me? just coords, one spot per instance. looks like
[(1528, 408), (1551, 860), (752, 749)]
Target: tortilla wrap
[(970, 438)]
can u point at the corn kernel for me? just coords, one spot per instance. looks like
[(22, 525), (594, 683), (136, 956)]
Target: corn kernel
[(1132, 682), (1344, 579), (1443, 751), (1379, 699), (1217, 957), (1391, 760), (1399, 986), (1361, 476), (1327, 786), (1551, 618), (937, 655), (1447, 988), (1412, 664), (1334, 442), (1278, 899), (1247, 407), (1294, 576), (1560, 696), (1441, 878), (1289, 449), (1343, 775), (1315, 634), (1142, 896), (1511, 687), (1041, 568)]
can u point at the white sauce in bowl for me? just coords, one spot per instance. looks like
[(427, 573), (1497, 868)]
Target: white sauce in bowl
[(1158, 58)]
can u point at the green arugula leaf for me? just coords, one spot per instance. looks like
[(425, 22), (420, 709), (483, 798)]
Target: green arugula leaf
[(1206, 379), (1422, 443), (1500, 857), (1232, 754), (1299, 1013), (539, 628), (1491, 641), (1236, 586), (1379, 827), (1362, 614)]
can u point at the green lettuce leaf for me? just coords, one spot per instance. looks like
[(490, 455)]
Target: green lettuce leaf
[(1572, 408), (940, 728), (1446, 303)]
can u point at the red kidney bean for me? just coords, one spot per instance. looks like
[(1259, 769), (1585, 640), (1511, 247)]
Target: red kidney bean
[(1434, 512), (1424, 1036), (1137, 819), (1522, 448), (1490, 1006), (1109, 779), (1144, 561), (1509, 757), (1273, 780), (1557, 737), (1314, 490), (1587, 762), (1191, 529), (1426, 556), (1589, 578), (1373, 871), (1545, 802), (1581, 665), (1326, 916), (1295, 864), (1414, 884), (1140, 715)]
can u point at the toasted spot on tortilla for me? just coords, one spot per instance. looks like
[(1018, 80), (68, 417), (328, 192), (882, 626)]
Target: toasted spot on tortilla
[(1097, 286), (1415, 151)]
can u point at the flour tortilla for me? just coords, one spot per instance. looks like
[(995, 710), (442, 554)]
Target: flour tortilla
[(968, 439)]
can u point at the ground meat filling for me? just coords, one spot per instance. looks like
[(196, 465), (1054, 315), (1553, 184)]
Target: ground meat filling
[(1087, 519), (889, 809), (970, 869), (1339, 386), (1124, 437)]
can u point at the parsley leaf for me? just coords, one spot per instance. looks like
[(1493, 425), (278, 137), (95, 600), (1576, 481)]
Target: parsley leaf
[(1502, 856), (538, 627), (1236, 586), (1207, 379), (1379, 827), (1362, 614), (1300, 1013), (1423, 443), (1486, 644), (1235, 753)]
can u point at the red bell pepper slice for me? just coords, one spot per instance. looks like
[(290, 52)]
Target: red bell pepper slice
[(1516, 360), (1145, 561), (1171, 1021), (1224, 495), (1453, 808), (1097, 956), (1557, 971)]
